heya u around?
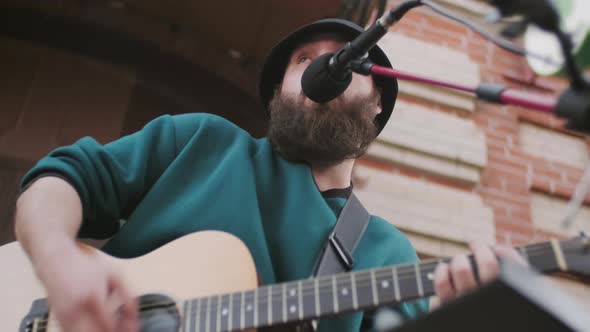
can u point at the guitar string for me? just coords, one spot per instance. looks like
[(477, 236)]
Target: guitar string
[(363, 280), (327, 281), (277, 296)]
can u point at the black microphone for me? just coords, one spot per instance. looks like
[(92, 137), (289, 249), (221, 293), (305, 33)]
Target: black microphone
[(329, 74)]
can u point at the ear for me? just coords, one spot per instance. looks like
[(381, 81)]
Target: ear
[(378, 96)]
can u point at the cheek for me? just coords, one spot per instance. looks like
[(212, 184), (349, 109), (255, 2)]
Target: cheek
[(361, 85), (291, 83)]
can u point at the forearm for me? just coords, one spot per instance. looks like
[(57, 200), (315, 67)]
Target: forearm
[(48, 216)]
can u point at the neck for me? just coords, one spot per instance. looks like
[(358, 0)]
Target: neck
[(333, 177)]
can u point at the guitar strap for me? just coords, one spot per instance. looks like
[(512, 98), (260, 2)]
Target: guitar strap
[(336, 254)]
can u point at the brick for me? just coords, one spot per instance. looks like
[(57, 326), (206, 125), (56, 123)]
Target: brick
[(510, 199), (521, 215), (507, 171), (543, 185), (564, 191), (543, 171), (518, 165), (447, 25), (441, 38), (497, 137), (374, 163), (508, 225), (512, 238), (493, 182), (409, 173), (519, 188)]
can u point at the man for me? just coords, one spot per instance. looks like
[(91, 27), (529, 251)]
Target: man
[(180, 174)]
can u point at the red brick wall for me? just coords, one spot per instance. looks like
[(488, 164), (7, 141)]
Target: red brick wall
[(511, 174)]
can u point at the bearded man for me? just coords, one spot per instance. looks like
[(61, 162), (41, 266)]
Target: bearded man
[(281, 195)]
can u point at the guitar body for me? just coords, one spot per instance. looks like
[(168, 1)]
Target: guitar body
[(207, 281), (196, 265)]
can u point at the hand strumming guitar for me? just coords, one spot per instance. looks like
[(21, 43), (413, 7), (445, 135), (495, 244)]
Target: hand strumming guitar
[(83, 293)]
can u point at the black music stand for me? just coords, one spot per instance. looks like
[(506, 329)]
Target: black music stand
[(520, 300)]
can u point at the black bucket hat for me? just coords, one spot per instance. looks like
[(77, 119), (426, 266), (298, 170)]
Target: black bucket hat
[(275, 63)]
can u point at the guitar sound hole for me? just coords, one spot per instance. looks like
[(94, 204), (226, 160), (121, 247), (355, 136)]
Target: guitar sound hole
[(158, 313)]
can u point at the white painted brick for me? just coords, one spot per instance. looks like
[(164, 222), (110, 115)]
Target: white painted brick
[(432, 141), (425, 208), (424, 162), (547, 213), (437, 248), (554, 146), (433, 61)]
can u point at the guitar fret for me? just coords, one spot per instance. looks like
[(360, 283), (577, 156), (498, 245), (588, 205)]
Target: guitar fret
[(269, 305), (558, 255), (284, 303), (355, 303), (335, 293), (427, 278), (317, 297), (197, 319), (365, 290), (407, 282), (256, 307), (251, 312), (419, 280), (299, 286), (396, 292), (384, 285), (207, 317), (242, 318), (231, 309), (374, 288), (187, 316), (218, 320), (226, 313)]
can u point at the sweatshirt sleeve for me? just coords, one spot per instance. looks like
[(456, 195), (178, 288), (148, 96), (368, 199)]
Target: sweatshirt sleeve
[(112, 179)]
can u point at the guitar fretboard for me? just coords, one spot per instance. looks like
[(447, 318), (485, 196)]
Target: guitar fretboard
[(328, 295)]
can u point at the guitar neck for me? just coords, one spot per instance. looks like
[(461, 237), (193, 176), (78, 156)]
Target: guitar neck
[(335, 294)]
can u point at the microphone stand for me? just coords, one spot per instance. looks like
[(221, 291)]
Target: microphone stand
[(573, 104)]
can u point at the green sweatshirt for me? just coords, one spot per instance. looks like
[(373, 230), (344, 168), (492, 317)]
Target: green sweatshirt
[(187, 173)]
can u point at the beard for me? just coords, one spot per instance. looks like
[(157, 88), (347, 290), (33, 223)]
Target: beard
[(319, 135)]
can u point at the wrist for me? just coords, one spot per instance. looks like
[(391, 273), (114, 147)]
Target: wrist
[(54, 251)]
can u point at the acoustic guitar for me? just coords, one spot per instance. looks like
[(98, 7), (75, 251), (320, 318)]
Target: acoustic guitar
[(218, 291)]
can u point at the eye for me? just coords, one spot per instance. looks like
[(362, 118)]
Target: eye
[(302, 59)]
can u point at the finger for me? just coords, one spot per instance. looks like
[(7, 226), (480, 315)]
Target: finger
[(83, 322), (510, 253), (443, 285), (462, 274), (128, 311), (486, 262), (104, 318)]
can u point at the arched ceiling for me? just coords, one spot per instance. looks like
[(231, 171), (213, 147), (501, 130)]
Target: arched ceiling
[(228, 37)]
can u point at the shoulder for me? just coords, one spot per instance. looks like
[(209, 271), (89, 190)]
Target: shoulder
[(392, 245), (210, 129), (191, 122)]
